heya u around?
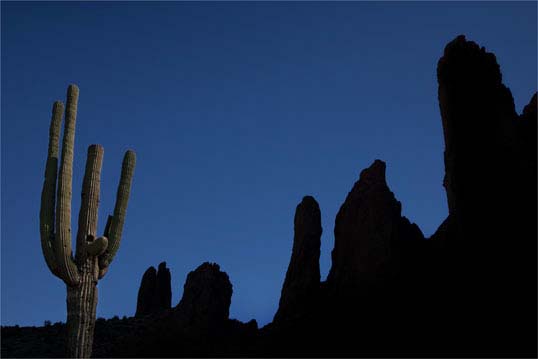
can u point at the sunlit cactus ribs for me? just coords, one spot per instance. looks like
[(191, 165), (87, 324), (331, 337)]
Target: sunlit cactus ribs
[(93, 253)]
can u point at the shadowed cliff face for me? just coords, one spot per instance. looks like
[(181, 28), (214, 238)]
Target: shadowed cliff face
[(490, 179), (302, 278), (490, 152), (488, 147), (369, 232)]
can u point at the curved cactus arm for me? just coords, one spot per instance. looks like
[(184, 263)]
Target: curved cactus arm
[(91, 185), (48, 195), (62, 244), (114, 226)]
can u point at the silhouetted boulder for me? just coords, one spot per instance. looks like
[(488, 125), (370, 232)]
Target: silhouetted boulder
[(207, 295), (302, 278), (155, 293)]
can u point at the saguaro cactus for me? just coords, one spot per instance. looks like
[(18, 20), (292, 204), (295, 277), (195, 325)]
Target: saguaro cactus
[(93, 254)]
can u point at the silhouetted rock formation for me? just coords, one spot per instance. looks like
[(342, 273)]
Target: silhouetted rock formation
[(207, 295), (155, 293), (367, 232), (490, 180), (471, 288), (377, 255), (146, 293), (478, 122), (302, 278), (197, 326), (164, 288)]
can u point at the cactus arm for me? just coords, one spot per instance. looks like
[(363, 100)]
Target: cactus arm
[(107, 226), (87, 218), (115, 227), (48, 195), (62, 244)]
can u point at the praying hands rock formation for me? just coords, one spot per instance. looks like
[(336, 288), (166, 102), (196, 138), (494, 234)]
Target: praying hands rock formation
[(155, 293)]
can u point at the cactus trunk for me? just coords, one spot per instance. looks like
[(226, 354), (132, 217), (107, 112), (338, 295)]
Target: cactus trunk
[(81, 307)]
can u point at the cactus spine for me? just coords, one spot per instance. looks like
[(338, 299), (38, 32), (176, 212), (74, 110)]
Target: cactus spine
[(93, 254)]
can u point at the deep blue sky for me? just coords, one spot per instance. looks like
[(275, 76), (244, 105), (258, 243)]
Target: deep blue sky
[(236, 111)]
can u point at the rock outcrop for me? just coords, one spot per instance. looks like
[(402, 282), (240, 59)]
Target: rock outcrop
[(369, 233), (207, 295), (490, 179), (198, 326), (478, 117), (163, 298), (155, 293), (302, 277), (146, 293)]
